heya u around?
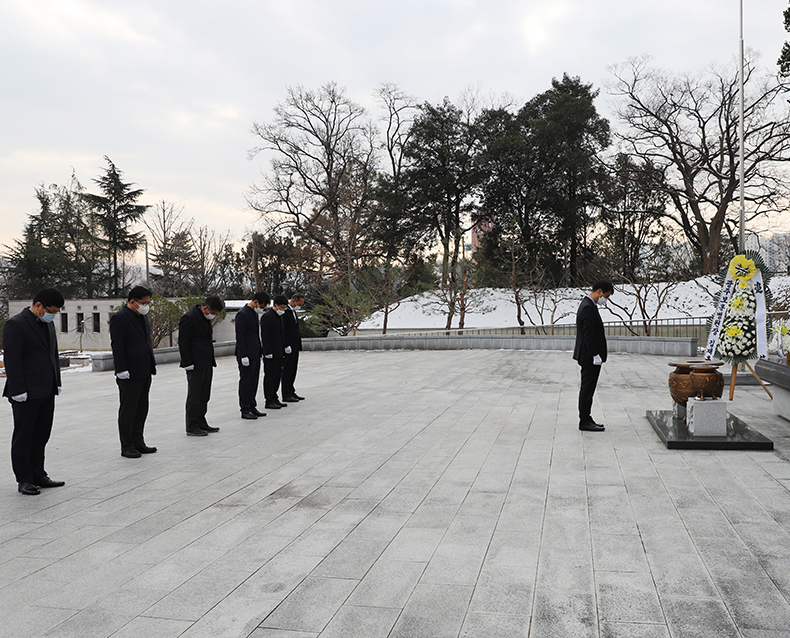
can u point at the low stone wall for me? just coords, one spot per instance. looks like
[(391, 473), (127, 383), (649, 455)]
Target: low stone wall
[(666, 346), (102, 361)]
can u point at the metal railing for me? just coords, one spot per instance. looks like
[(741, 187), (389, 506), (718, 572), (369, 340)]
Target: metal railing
[(691, 327)]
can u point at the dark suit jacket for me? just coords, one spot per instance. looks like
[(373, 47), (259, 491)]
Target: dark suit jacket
[(132, 350), (291, 334), (248, 342), (31, 357), (590, 335), (196, 340), (272, 334)]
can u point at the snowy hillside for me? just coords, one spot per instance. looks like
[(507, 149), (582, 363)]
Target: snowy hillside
[(495, 308)]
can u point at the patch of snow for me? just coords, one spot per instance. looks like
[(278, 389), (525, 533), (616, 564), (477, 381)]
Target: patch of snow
[(496, 307)]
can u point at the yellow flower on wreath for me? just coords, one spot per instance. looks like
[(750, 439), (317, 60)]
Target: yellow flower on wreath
[(733, 331), (742, 269)]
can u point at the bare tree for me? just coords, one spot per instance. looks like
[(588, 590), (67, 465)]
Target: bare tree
[(208, 250), (540, 301), (687, 127), (323, 168), (171, 241), (640, 299)]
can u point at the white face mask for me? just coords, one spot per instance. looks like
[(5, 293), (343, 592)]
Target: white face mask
[(143, 308), (209, 316), (259, 311), (280, 312)]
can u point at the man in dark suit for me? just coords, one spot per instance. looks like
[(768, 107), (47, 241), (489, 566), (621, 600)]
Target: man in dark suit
[(293, 345), (196, 346), (273, 348), (248, 354), (32, 382), (590, 350), (133, 356)]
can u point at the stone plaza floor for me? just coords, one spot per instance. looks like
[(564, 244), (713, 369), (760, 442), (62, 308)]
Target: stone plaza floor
[(414, 494)]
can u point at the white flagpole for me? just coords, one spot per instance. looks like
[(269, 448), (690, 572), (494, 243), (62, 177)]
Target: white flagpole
[(742, 238)]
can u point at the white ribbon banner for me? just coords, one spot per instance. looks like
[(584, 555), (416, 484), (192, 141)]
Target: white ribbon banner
[(759, 316), (718, 318)]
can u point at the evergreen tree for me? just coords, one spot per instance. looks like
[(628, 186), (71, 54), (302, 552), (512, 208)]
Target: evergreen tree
[(116, 209)]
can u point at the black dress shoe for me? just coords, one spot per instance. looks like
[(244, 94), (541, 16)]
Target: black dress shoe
[(197, 432), (249, 415), (131, 453), (273, 406), (291, 400), (296, 396), (591, 427), (48, 482), (29, 489), (144, 449), (209, 428), (257, 412), (282, 405)]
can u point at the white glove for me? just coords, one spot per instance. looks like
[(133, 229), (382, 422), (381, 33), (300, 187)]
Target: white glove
[(288, 350), (192, 367), (245, 361), (59, 390), (597, 360), (20, 398), (122, 375), (268, 356)]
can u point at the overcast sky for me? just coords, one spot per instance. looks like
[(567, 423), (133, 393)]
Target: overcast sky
[(169, 89)]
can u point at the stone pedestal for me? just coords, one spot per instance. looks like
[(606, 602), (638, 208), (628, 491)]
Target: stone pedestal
[(707, 418)]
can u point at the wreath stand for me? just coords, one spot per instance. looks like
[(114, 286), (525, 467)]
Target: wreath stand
[(734, 374)]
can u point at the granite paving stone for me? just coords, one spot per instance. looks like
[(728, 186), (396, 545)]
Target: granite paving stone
[(311, 605), (456, 498)]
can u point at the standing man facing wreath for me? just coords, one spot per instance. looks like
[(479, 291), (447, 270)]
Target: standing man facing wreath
[(133, 357), (32, 382), (248, 354), (590, 350), (196, 347), (293, 345), (273, 348)]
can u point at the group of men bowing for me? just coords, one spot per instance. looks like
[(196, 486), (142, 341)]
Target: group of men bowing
[(33, 370), (272, 342)]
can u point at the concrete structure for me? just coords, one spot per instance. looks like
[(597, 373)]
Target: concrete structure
[(84, 324), (414, 494), (774, 249)]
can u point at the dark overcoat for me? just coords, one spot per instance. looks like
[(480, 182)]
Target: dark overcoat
[(30, 356), (196, 340)]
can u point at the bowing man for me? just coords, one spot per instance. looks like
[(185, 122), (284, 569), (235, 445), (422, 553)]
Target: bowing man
[(32, 382), (196, 346)]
